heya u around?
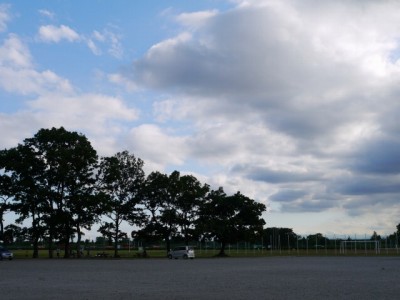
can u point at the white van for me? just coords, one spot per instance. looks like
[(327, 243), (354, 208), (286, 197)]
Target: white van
[(184, 252)]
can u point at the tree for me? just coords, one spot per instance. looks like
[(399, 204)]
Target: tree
[(107, 229), (52, 176), (280, 237), (70, 163), (160, 218), (11, 233), (230, 218), (375, 237), (120, 179), (187, 194), (23, 175), (5, 198)]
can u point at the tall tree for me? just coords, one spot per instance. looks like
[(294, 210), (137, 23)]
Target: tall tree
[(24, 176), (162, 218), (5, 197), (230, 218), (187, 194), (120, 178), (70, 163), (53, 177)]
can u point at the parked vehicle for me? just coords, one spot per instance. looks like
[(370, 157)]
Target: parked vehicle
[(184, 252), (5, 254)]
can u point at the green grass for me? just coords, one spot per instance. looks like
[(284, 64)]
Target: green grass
[(202, 253)]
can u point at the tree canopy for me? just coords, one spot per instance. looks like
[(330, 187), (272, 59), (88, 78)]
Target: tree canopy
[(56, 180), (52, 183), (230, 218)]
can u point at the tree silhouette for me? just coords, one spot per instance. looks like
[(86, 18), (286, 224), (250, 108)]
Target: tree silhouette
[(120, 179)]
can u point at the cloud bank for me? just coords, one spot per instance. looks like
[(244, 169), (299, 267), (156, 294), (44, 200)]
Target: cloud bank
[(299, 96), (294, 103)]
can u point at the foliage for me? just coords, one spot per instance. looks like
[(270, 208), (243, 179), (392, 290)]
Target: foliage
[(278, 238), (375, 237), (120, 179), (230, 218), (52, 178), (161, 222), (187, 194), (55, 180)]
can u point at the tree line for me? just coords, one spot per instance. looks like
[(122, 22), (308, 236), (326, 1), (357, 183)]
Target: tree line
[(57, 182)]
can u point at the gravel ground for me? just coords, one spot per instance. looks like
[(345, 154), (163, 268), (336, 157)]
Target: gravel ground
[(223, 278)]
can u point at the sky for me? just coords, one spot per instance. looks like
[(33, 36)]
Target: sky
[(293, 103)]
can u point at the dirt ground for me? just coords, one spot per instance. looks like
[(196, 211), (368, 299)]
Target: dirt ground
[(222, 278)]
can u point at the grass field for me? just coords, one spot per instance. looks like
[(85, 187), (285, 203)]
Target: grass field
[(203, 253)]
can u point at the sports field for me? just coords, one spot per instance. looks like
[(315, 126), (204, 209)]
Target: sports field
[(316, 277)]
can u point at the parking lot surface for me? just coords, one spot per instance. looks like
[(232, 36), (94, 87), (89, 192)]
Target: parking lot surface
[(214, 278)]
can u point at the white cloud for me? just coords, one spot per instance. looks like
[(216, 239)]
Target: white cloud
[(92, 46), (17, 73), (98, 36), (157, 146), (54, 34), (47, 13), (18, 126), (14, 53), (284, 90), (53, 101), (122, 81), (195, 19), (101, 118), (106, 39), (5, 16)]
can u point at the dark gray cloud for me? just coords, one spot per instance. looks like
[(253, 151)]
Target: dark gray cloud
[(365, 185), (309, 205), (275, 176), (381, 155), (288, 195)]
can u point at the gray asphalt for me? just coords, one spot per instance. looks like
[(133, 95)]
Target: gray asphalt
[(225, 278)]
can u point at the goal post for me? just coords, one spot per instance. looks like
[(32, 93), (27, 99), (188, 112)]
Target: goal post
[(355, 245)]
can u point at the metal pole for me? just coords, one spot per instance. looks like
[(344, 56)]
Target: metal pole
[(307, 244), (334, 236), (279, 243), (365, 239), (387, 250), (271, 244), (355, 244)]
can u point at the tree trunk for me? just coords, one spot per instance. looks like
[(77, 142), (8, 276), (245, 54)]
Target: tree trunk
[(50, 245), (35, 237), (168, 242), (78, 243), (116, 237), (1, 224), (222, 250), (66, 249), (35, 247)]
